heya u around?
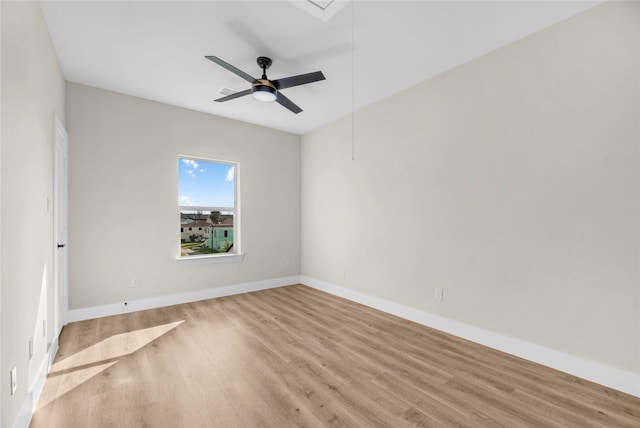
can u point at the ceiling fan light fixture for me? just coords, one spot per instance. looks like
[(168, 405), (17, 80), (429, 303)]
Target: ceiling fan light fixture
[(264, 93)]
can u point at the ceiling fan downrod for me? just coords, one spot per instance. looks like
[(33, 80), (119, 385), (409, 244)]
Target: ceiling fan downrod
[(264, 63)]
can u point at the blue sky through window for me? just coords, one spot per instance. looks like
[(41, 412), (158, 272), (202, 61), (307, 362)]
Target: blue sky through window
[(205, 183)]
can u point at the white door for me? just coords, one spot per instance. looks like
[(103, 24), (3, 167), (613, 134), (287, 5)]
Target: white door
[(60, 202)]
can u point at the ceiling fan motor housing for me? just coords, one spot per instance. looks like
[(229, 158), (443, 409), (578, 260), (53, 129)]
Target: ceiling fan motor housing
[(263, 90)]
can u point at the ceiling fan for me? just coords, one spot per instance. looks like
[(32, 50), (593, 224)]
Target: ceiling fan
[(264, 89)]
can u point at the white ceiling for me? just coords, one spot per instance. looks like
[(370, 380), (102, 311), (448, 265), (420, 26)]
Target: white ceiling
[(367, 50)]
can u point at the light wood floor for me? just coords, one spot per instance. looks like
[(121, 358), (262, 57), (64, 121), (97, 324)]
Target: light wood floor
[(294, 357)]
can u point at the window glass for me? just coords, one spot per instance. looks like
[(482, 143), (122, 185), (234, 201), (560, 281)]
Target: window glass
[(207, 202)]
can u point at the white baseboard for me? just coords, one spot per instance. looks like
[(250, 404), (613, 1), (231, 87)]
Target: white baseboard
[(176, 299), (35, 389), (611, 377)]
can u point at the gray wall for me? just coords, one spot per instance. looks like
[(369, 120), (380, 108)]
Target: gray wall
[(511, 182), (32, 91), (123, 195)]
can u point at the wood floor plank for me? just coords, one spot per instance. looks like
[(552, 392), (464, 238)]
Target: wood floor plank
[(297, 357)]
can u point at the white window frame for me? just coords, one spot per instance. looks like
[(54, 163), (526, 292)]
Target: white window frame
[(237, 256)]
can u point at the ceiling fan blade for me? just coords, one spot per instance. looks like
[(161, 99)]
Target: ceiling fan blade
[(286, 102), (231, 68), (301, 79), (234, 96)]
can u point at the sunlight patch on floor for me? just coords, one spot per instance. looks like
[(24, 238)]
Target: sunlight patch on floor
[(58, 386), (67, 374)]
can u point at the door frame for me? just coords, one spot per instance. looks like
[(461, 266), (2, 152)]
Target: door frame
[(60, 224)]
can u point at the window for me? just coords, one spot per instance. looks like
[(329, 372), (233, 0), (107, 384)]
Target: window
[(208, 202)]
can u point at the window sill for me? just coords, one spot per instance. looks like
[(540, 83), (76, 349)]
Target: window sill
[(211, 259)]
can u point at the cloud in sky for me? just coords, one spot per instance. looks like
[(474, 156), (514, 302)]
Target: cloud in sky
[(230, 174), (186, 201), (191, 167), (190, 162)]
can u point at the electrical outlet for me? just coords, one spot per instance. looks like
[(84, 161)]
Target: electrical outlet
[(135, 282), (30, 349), (287, 263), (13, 378), (438, 294)]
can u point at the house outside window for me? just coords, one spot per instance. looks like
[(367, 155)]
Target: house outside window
[(208, 207)]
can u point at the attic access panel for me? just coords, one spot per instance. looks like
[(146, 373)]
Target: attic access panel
[(322, 9)]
